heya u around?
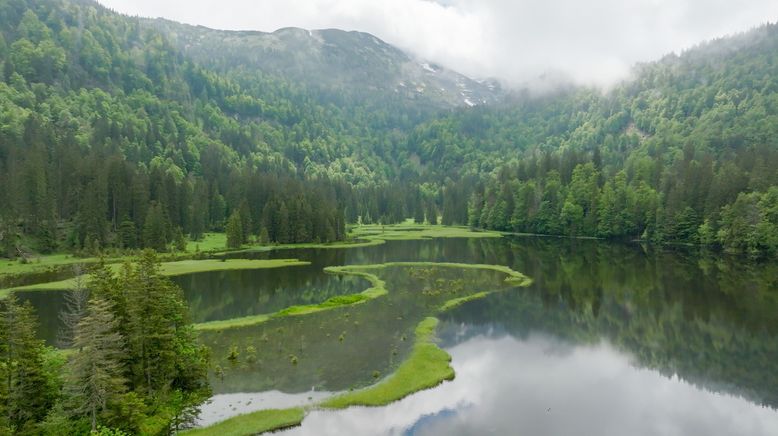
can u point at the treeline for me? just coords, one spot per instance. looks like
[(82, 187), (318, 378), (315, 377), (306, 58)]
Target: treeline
[(111, 138), (136, 366), (686, 152), (619, 208)]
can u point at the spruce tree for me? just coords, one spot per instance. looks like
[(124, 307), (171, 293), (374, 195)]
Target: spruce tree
[(164, 359), (234, 231), (28, 395), (155, 228), (95, 380)]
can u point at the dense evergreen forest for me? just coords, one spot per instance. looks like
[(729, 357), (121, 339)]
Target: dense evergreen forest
[(113, 136), (123, 134), (135, 368)]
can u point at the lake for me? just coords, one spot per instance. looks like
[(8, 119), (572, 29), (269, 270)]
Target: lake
[(609, 339)]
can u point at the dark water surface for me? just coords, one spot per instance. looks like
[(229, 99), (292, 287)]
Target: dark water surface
[(610, 339)]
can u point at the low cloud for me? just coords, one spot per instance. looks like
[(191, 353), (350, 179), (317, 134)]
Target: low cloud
[(516, 41)]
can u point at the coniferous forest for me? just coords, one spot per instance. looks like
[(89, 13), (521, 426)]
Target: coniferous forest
[(114, 137), (121, 135)]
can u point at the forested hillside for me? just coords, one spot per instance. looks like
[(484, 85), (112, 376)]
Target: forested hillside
[(686, 152), (123, 132), (111, 137)]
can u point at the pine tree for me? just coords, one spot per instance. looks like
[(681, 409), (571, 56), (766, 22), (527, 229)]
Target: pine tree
[(96, 373), (76, 300), (155, 228), (234, 231), (263, 236), (127, 234), (163, 356), (28, 394), (283, 233)]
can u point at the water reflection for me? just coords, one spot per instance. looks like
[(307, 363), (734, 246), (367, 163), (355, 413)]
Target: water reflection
[(221, 295), (223, 406), (540, 385), (710, 321)]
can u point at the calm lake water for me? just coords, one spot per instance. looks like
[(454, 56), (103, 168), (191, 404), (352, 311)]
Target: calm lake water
[(610, 339)]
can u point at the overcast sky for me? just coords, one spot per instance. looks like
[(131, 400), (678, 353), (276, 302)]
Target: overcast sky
[(589, 41)]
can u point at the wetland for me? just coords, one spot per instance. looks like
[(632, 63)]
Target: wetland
[(544, 335)]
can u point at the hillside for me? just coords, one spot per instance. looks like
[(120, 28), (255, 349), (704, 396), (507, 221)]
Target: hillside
[(120, 132), (354, 63)]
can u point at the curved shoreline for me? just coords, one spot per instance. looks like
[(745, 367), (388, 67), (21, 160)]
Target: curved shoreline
[(426, 367), (363, 236), (171, 269)]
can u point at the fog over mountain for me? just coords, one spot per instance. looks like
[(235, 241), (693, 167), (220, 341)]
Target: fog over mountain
[(518, 42)]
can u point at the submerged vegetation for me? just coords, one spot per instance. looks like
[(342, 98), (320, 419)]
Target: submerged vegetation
[(121, 137), (426, 367)]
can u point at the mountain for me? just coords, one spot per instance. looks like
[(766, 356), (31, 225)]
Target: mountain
[(121, 132), (331, 59)]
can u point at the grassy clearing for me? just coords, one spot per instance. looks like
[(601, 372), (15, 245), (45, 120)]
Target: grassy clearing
[(376, 234), (417, 231), (177, 268), (376, 290), (209, 242), (253, 423), (42, 263), (426, 367)]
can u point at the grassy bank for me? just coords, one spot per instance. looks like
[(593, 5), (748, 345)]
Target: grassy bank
[(426, 367), (514, 277), (410, 232), (213, 244), (456, 302), (174, 269), (252, 423), (376, 234), (377, 288)]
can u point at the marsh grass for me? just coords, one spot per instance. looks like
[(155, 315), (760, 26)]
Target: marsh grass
[(426, 367), (253, 423), (176, 268), (376, 290), (213, 244), (427, 364)]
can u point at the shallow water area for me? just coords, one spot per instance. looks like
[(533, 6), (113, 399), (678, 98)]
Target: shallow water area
[(609, 339), (222, 406), (542, 386)]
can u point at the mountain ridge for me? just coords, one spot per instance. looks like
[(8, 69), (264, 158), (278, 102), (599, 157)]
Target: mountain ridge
[(333, 58)]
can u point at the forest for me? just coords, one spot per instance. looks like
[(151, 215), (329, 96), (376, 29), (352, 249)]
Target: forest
[(115, 140), (134, 366), (111, 137)]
